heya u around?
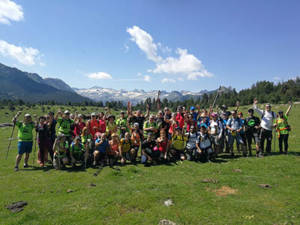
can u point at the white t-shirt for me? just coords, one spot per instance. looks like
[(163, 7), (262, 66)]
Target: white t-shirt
[(214, 127), (267, 119)]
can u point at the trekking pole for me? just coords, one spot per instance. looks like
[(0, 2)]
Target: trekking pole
[(217, 95), (12, 133)]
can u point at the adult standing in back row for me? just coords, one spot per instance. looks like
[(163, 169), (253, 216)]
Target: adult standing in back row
[(267, 117)]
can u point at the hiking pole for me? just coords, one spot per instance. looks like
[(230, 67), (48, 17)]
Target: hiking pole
[(217, 95), (12, 133)]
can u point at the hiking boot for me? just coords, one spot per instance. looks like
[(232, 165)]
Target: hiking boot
[(26, 165), (16, 168)]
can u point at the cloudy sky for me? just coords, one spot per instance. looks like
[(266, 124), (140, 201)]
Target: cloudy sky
[(153, 44)]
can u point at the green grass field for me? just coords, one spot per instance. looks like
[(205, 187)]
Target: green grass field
[(136, 194)]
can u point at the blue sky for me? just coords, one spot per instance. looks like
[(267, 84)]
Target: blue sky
[(157, 44)]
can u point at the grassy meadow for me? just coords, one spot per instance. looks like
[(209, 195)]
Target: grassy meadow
[(226, 192)]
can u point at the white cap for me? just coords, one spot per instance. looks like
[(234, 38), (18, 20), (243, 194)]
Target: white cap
[(67, 112), (27, 115)]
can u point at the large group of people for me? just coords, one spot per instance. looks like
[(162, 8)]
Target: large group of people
[(188, 134)]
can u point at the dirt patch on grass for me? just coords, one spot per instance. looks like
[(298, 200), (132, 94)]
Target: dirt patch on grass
[(225, 190)]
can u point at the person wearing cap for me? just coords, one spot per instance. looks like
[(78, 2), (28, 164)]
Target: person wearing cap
[(235, 126), (122, 124), (25, 139), (283, 129), (150, 127), (51, 122), (194, 113), (252, 129), (65, 125), (215, 130), (204, 145), (191, 149), (266, 124), (93, 125), (60, 148)]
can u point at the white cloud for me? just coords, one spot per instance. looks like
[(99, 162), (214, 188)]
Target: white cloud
[(185, 64), (27, 56), (180, 79), (145, 42), (100, 76), (147, 78), (168, 80), (10, 11)]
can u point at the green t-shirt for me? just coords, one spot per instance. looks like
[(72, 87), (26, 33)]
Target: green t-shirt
[(25, 131), (282, 125), (85, 138), (179, 142), (148, 124), (64, 126), (77, 149)]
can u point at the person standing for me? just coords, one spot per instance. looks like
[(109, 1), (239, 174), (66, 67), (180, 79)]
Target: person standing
[(252, 126), (283, 129), (52, 133), (25, 139), (43, 140), (267, 118)]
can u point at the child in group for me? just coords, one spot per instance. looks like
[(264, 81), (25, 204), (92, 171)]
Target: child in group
[(191, 149), (136, 141), (60, 148), (148, 152), (78, 152), (113, 153), (111, 126), (43, 140), (101, 149), (204, 145), (125, 148), (216, 131), (178, 144), (163, 144)]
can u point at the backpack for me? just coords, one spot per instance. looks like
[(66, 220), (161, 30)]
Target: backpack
[(264, 112)]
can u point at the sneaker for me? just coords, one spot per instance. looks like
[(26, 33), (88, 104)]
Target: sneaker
[(16, 169), (26, 165)]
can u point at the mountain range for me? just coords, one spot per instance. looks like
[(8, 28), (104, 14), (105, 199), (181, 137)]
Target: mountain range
[(30, 87), (135, 96)]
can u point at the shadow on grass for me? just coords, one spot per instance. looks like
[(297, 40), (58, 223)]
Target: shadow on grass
[(35, 168)]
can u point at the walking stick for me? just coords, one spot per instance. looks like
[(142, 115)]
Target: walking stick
[(12, 133)]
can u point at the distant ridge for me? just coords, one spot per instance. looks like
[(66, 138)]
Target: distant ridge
[(30, 87)]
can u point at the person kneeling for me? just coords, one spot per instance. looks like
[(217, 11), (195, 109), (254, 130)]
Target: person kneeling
[(113, 153), (101, 149), (204, 146), (78, 152), (178, 145), (60, 148), (126, 149)]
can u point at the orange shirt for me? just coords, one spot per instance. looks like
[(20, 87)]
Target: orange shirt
[(136, 138)]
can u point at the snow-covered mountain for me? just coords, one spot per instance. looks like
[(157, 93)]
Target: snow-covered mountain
[(135, 96)]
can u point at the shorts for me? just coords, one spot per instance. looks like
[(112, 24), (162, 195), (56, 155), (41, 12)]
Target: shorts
[(24, 147), (126, 155)]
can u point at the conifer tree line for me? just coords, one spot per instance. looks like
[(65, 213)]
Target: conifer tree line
[(264, 91)]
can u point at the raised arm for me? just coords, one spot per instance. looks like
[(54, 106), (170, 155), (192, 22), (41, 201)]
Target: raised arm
[(289, 109), (259, 111)]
